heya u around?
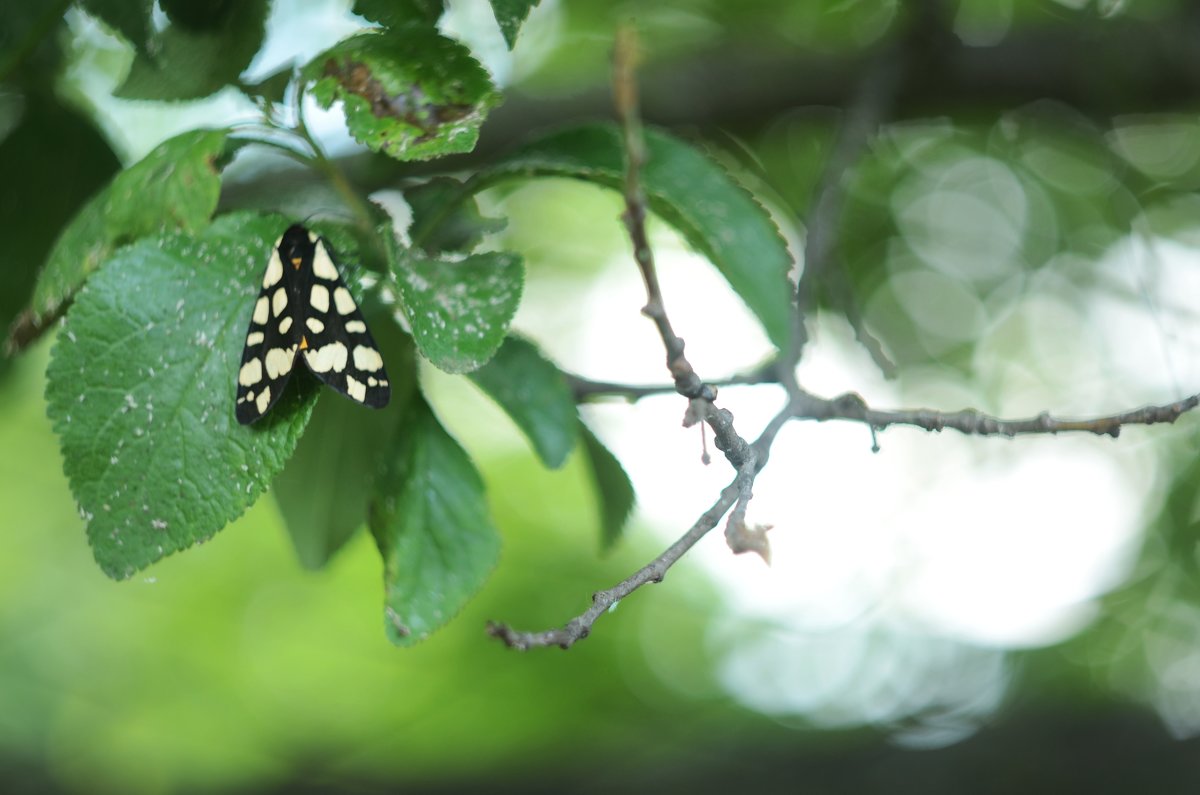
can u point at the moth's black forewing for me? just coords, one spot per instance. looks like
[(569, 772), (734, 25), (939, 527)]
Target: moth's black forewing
[(305, 308)]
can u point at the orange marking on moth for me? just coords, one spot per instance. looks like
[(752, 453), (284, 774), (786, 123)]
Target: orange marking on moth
[(296, 262), (304, 343)]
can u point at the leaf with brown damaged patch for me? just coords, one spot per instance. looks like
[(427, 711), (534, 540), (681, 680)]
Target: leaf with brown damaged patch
[(410, 93)]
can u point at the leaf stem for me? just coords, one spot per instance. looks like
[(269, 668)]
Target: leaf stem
[(353, 199)]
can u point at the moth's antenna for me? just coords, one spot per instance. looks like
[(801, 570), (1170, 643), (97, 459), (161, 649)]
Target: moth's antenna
[(328, 213)]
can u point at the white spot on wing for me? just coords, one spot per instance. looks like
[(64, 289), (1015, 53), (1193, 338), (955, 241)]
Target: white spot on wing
[(254, 338), (345, 304), (367, 359), (285, 324), (356, 389), (251, 373), (314, 325), (279, 361), (356, 327), (326, 358), (319, 298), (274, 270), (260, 311), (264, 400), (322, 265), (279, 301)]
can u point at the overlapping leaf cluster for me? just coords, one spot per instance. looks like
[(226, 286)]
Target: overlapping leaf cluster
[(157, 294)]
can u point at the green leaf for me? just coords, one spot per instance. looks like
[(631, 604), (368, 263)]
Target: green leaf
[(614, 491), (50, 146), (130, 18), (324, 490), (141, 385), (692, 193), (410, 93), (446, 217), (511, 14), (175, 186), (206, 47), (459, 309), (430, 520), (534, 393), (399, 13)]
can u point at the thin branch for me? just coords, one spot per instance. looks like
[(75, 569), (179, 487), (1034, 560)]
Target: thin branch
[(687, 382), (701, 396), (333, 173), (851, 406), (585, 389), (580, 627)]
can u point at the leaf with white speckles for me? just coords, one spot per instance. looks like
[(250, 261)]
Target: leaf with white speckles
[(175, 186), (140, 389), (458, 309), (408, 92), (535, 394), (430, 520), (695, 195)]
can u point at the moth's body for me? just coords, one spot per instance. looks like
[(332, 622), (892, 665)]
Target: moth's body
[(305, 311)]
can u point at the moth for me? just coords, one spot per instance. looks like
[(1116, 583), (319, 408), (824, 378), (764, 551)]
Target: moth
[(305, 311)]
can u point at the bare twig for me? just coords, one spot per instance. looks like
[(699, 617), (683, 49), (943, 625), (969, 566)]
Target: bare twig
[(579, 627), (851, 406), (586, 388), (687, 382)]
